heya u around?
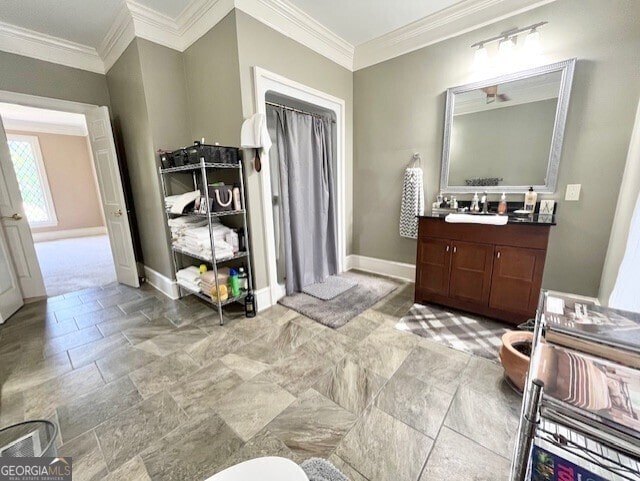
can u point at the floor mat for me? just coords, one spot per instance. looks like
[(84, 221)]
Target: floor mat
[(464, 332), (340, 310), (69, 265), (332, 287)]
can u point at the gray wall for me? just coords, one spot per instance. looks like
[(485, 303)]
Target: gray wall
[(213, 85), (149, 104), (37, 77), (399, 109), (259, 45), (511, 143)]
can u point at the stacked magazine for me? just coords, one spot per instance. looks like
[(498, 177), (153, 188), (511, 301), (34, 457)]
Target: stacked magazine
[(589, 364)]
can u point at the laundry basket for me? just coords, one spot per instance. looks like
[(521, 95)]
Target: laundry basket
[(29, 439)]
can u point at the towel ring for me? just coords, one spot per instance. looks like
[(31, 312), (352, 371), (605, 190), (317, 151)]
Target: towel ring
[(416, 159)]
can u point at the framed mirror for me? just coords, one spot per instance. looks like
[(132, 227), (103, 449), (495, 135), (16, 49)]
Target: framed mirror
[(505, 134)]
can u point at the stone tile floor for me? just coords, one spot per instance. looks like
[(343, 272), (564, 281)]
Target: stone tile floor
[(143, 387)]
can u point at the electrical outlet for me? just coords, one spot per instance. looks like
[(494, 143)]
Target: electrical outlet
[(573, 192)]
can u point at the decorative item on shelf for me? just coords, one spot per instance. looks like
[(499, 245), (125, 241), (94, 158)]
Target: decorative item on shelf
[(547, 207), (502, 206), (250, 307), (221, 197)]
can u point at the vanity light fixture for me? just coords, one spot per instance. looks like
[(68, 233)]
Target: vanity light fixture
[(481, 58), (507, 42)]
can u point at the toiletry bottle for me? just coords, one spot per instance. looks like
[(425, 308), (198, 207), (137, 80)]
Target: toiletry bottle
[(454, 203), (439, 199), (243, 279), (233, 283), (474, 203), (502, 206), (530, 199), (236, 198), (250, 307)]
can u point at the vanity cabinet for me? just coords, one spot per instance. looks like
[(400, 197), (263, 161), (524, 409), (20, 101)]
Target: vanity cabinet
[(494, 271)]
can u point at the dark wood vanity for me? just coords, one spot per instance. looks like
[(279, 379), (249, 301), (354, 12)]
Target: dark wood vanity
[(494, 271)]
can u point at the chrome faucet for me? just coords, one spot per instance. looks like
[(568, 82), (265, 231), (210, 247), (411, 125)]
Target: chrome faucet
[(484, 203)]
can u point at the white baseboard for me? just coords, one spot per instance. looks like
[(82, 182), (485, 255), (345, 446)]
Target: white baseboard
[(165, 285), (397, 270), (263, 298), (68, 234)]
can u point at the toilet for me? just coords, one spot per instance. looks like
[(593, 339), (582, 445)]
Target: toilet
[(269, 468)]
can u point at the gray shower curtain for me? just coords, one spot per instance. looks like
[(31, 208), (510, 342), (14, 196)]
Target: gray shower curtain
[(308, 220)]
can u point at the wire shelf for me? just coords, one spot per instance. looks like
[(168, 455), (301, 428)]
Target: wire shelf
[(592, 451), (207, 298), (185, 252), (211, 214), (191, 167)]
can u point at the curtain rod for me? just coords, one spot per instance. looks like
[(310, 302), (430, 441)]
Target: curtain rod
[(286, 107)]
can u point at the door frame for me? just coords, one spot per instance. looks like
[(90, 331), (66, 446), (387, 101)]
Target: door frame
[(266, 81), (63, 106)]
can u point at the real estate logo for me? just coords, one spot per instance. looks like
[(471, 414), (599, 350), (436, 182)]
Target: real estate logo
[(35, 469)]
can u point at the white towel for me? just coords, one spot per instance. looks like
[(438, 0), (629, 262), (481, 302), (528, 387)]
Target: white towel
[(477, 219), (254, 134), (183, 201), (412, 202)]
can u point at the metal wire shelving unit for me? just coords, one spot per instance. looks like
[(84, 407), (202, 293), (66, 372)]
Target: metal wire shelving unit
[(201, 174)]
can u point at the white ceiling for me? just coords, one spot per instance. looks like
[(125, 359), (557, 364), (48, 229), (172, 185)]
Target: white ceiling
[(358, 21), (92, 34), (81, 21)]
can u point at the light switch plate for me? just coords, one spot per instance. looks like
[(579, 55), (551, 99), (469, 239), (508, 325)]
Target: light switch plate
[(573, 192)]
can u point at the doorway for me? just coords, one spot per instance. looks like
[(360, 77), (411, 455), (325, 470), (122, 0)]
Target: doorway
[(268, 84), (52, 161), (86, 222)]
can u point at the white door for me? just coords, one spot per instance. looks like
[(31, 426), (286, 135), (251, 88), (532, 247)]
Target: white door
[(10, 294), (115, 212), (16, 227)]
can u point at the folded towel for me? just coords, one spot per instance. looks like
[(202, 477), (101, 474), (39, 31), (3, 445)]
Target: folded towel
[(183, 201), (210, 276), (477, 219), (190, 274)]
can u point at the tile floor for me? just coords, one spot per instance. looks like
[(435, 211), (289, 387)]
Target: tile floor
[(147, 388)]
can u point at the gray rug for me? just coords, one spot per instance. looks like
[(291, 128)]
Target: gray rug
[(458, 330), (340, 310), (332, 287), (318, 469)]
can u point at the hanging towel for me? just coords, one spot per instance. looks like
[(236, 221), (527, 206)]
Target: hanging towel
[(412, 199), (254, 134)]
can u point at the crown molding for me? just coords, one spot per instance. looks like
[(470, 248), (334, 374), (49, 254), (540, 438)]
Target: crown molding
[(154, 26), (199, 16), (458, 19), (29, 43), (294, 23), (118, 38)]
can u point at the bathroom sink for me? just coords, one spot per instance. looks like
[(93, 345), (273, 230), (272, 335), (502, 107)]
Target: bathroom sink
[(489, 218)]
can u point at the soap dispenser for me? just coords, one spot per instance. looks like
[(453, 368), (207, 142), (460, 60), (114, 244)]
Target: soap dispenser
[(530, 199), (502, 206)]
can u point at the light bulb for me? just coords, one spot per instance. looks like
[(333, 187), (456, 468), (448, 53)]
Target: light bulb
[(506, 50), (532, 43), (481, 59)]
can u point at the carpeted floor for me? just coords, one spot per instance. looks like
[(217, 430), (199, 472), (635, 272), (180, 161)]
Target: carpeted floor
[(458, 330), (341, 309), (73, 264)]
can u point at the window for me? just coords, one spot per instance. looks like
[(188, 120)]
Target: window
[(32, 180)]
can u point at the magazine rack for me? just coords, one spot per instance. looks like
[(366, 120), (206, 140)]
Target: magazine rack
[(592, 446)]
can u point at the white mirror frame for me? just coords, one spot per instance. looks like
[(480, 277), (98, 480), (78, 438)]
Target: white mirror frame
[(567, 68)]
